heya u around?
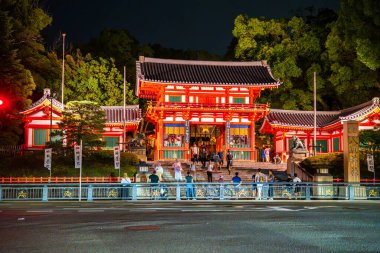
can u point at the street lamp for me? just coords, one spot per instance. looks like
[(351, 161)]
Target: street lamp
[(63, 65)]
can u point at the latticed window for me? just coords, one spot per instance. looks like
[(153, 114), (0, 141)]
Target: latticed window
[(111, 142), (175, 99), (239, 136), (239, 100), (39, 136), (174, 135), (336, 144), (322, 146)]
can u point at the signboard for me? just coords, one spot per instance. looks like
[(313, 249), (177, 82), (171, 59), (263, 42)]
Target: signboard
[(228, 126), (370, 162), (78, 156), (143, 168), (116, 156), (47, 160), (187, 131)]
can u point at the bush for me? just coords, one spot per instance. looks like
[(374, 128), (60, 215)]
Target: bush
[(99, 164), (334, 162)]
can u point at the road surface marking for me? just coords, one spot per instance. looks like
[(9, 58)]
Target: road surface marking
[(40, 211)]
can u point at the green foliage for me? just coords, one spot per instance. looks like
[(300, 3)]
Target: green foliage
[(100, 164), (292, 49), (82, 121), (24, 61), (96, 80)]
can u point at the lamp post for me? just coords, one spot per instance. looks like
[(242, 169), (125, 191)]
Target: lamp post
[(63, 65)]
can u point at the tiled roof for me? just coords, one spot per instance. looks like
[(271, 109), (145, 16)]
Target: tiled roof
[(114, 114), (306, 118), (300, 118), (205, 72)]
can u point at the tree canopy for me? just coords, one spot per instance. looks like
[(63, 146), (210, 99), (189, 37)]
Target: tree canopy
[(95, 79), (82, 120)]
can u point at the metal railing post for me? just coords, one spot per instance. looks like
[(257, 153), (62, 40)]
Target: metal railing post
[(1, 193), (351, 192), (221, 187), (178, 192), (89, 193), (45, 193), (307, 191), (134, 192)]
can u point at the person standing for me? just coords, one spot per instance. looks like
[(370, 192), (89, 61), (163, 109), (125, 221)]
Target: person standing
[(209, 172), (263, 154), (159, 171), (296, 187), (195, 153), (221, 157), (154, 179), (216, 161), (125, 182), (190, 194), (193, 169), (236, 180), (230, 157), (260, 179), (267, 154), (204, 154), (271, 180), (177, 170)]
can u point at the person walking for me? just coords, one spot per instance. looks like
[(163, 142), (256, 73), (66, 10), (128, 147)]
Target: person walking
[(190, 194), (271, 180), (217, 164), (236, 180), (263, 154), (230, 157), (195, 153), (210, 167), (153, 179), (125, 182), (159, 171), (177, 170)]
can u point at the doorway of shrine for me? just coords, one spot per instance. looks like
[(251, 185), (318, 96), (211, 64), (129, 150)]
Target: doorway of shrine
[(208, 136)]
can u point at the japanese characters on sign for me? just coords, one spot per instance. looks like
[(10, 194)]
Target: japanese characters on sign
[(228, 125), (78, 156), (116, 154), (370, 162), (187, 131), (47, 160)]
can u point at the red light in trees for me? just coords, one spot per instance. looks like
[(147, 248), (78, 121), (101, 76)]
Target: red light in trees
[(1, 102)]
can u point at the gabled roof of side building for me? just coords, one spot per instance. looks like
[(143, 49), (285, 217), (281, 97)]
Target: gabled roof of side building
[(277, 118)]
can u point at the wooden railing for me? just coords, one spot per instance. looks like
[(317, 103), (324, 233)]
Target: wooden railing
[(58, 180), (209, 105)]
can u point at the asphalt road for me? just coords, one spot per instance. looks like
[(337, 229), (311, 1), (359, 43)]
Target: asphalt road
[(194, 226)]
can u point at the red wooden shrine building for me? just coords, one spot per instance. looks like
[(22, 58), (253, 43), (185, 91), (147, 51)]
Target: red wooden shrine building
[(38, 121), (209, 103), (284, 124)]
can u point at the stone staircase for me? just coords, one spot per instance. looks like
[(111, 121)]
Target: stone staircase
[(246, 171)]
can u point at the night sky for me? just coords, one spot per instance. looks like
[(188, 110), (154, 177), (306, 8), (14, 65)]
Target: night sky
[(183, 24)]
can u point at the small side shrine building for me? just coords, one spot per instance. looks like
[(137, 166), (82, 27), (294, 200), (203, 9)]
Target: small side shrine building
[(209, 103), (38, 121), (284, 124)]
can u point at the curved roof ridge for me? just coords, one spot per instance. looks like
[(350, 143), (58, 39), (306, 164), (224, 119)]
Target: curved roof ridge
[(200, 62), (303, 112)]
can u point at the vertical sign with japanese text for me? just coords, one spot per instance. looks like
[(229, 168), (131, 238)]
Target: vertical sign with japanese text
[(228, 126), (187, 131), (116, 154), (47, 160), (370, 162), (78, 156)]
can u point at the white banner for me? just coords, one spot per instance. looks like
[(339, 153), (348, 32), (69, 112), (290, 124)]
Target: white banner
[(78, 156), (116, 155), (47, 160), (371, 163)]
